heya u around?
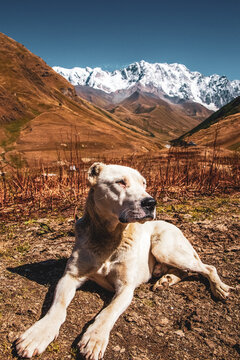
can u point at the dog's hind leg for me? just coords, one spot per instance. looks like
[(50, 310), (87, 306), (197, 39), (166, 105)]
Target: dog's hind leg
[(35, 340), (171, 277), (172, 248)]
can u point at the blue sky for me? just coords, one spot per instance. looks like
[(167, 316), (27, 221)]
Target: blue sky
[(203, 35)]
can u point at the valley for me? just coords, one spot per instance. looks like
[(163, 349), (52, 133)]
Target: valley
[(43, 115)]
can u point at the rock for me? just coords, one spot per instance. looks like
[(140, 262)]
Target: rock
[(119, 335), (222, 227), (141, 294), (179, 333), (11, 336), (199, 330), (210, 343), (187, 216), (116, 348), (163, 321), (228, 318), (131, 317), (159, 330)]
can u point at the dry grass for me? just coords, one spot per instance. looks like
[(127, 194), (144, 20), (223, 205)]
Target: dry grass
[(178, 172)]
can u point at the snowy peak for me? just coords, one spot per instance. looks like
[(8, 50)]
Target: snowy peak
[(174, 82)]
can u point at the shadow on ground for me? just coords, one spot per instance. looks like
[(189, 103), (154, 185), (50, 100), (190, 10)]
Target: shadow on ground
[(48, 273)]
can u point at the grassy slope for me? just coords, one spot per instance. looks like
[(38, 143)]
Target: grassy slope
[(31, 93), (224, 123)]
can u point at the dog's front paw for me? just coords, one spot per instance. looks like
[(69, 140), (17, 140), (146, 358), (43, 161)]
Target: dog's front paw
[(36, 339), (93, 343)]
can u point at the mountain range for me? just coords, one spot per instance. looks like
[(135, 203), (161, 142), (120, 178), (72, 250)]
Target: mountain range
[(174, 83), (167, 100), (44, 118)]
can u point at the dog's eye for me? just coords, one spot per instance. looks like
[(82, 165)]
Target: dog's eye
[(122, 183)]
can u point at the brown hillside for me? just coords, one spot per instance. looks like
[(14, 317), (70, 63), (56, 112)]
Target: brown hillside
[(222, 128), (40, 110), (94, 96), (28, 84), (163, 119)]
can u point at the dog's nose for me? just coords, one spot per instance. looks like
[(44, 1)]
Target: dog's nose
[(148, 203)]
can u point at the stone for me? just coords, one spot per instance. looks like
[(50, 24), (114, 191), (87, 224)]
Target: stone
[(179, 333)]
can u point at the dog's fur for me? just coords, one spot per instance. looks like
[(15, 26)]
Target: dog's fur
[(119, 248)]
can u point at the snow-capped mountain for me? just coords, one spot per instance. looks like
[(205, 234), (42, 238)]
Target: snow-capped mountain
[(174, 82)]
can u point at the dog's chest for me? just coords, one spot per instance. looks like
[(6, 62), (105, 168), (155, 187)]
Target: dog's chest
[(111, 271), (129, 263), (117, 258), (105, 268), (132, 256)]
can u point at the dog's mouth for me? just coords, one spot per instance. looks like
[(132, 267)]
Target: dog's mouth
[(136, 218), (145, 218)]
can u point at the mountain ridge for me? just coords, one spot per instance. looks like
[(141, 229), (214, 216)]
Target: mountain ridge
[(171, 82)]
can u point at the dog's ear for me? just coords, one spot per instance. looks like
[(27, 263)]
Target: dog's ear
[(94, 172)]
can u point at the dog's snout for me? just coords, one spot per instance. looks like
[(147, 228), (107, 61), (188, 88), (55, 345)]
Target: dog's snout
[(148, 203)]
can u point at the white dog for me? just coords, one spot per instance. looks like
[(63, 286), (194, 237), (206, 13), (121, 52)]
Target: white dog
[(119, 248)]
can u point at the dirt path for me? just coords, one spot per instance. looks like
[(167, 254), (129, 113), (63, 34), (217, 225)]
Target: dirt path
[(183, 322)]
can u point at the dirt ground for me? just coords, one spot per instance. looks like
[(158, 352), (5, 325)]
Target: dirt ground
[(180, 323)]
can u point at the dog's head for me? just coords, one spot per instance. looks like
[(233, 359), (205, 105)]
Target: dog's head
[(120, 192)]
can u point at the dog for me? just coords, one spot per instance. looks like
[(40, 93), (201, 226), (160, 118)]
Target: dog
[(119, 247)]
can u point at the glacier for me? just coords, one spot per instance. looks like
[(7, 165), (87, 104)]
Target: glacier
[(174, 82)]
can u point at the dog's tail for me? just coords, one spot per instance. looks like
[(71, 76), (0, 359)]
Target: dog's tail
[(75, 215)]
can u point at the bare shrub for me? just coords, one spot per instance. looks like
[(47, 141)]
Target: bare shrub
[(177, 172)]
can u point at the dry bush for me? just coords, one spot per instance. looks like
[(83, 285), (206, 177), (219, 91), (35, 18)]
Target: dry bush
[(178, 172)]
